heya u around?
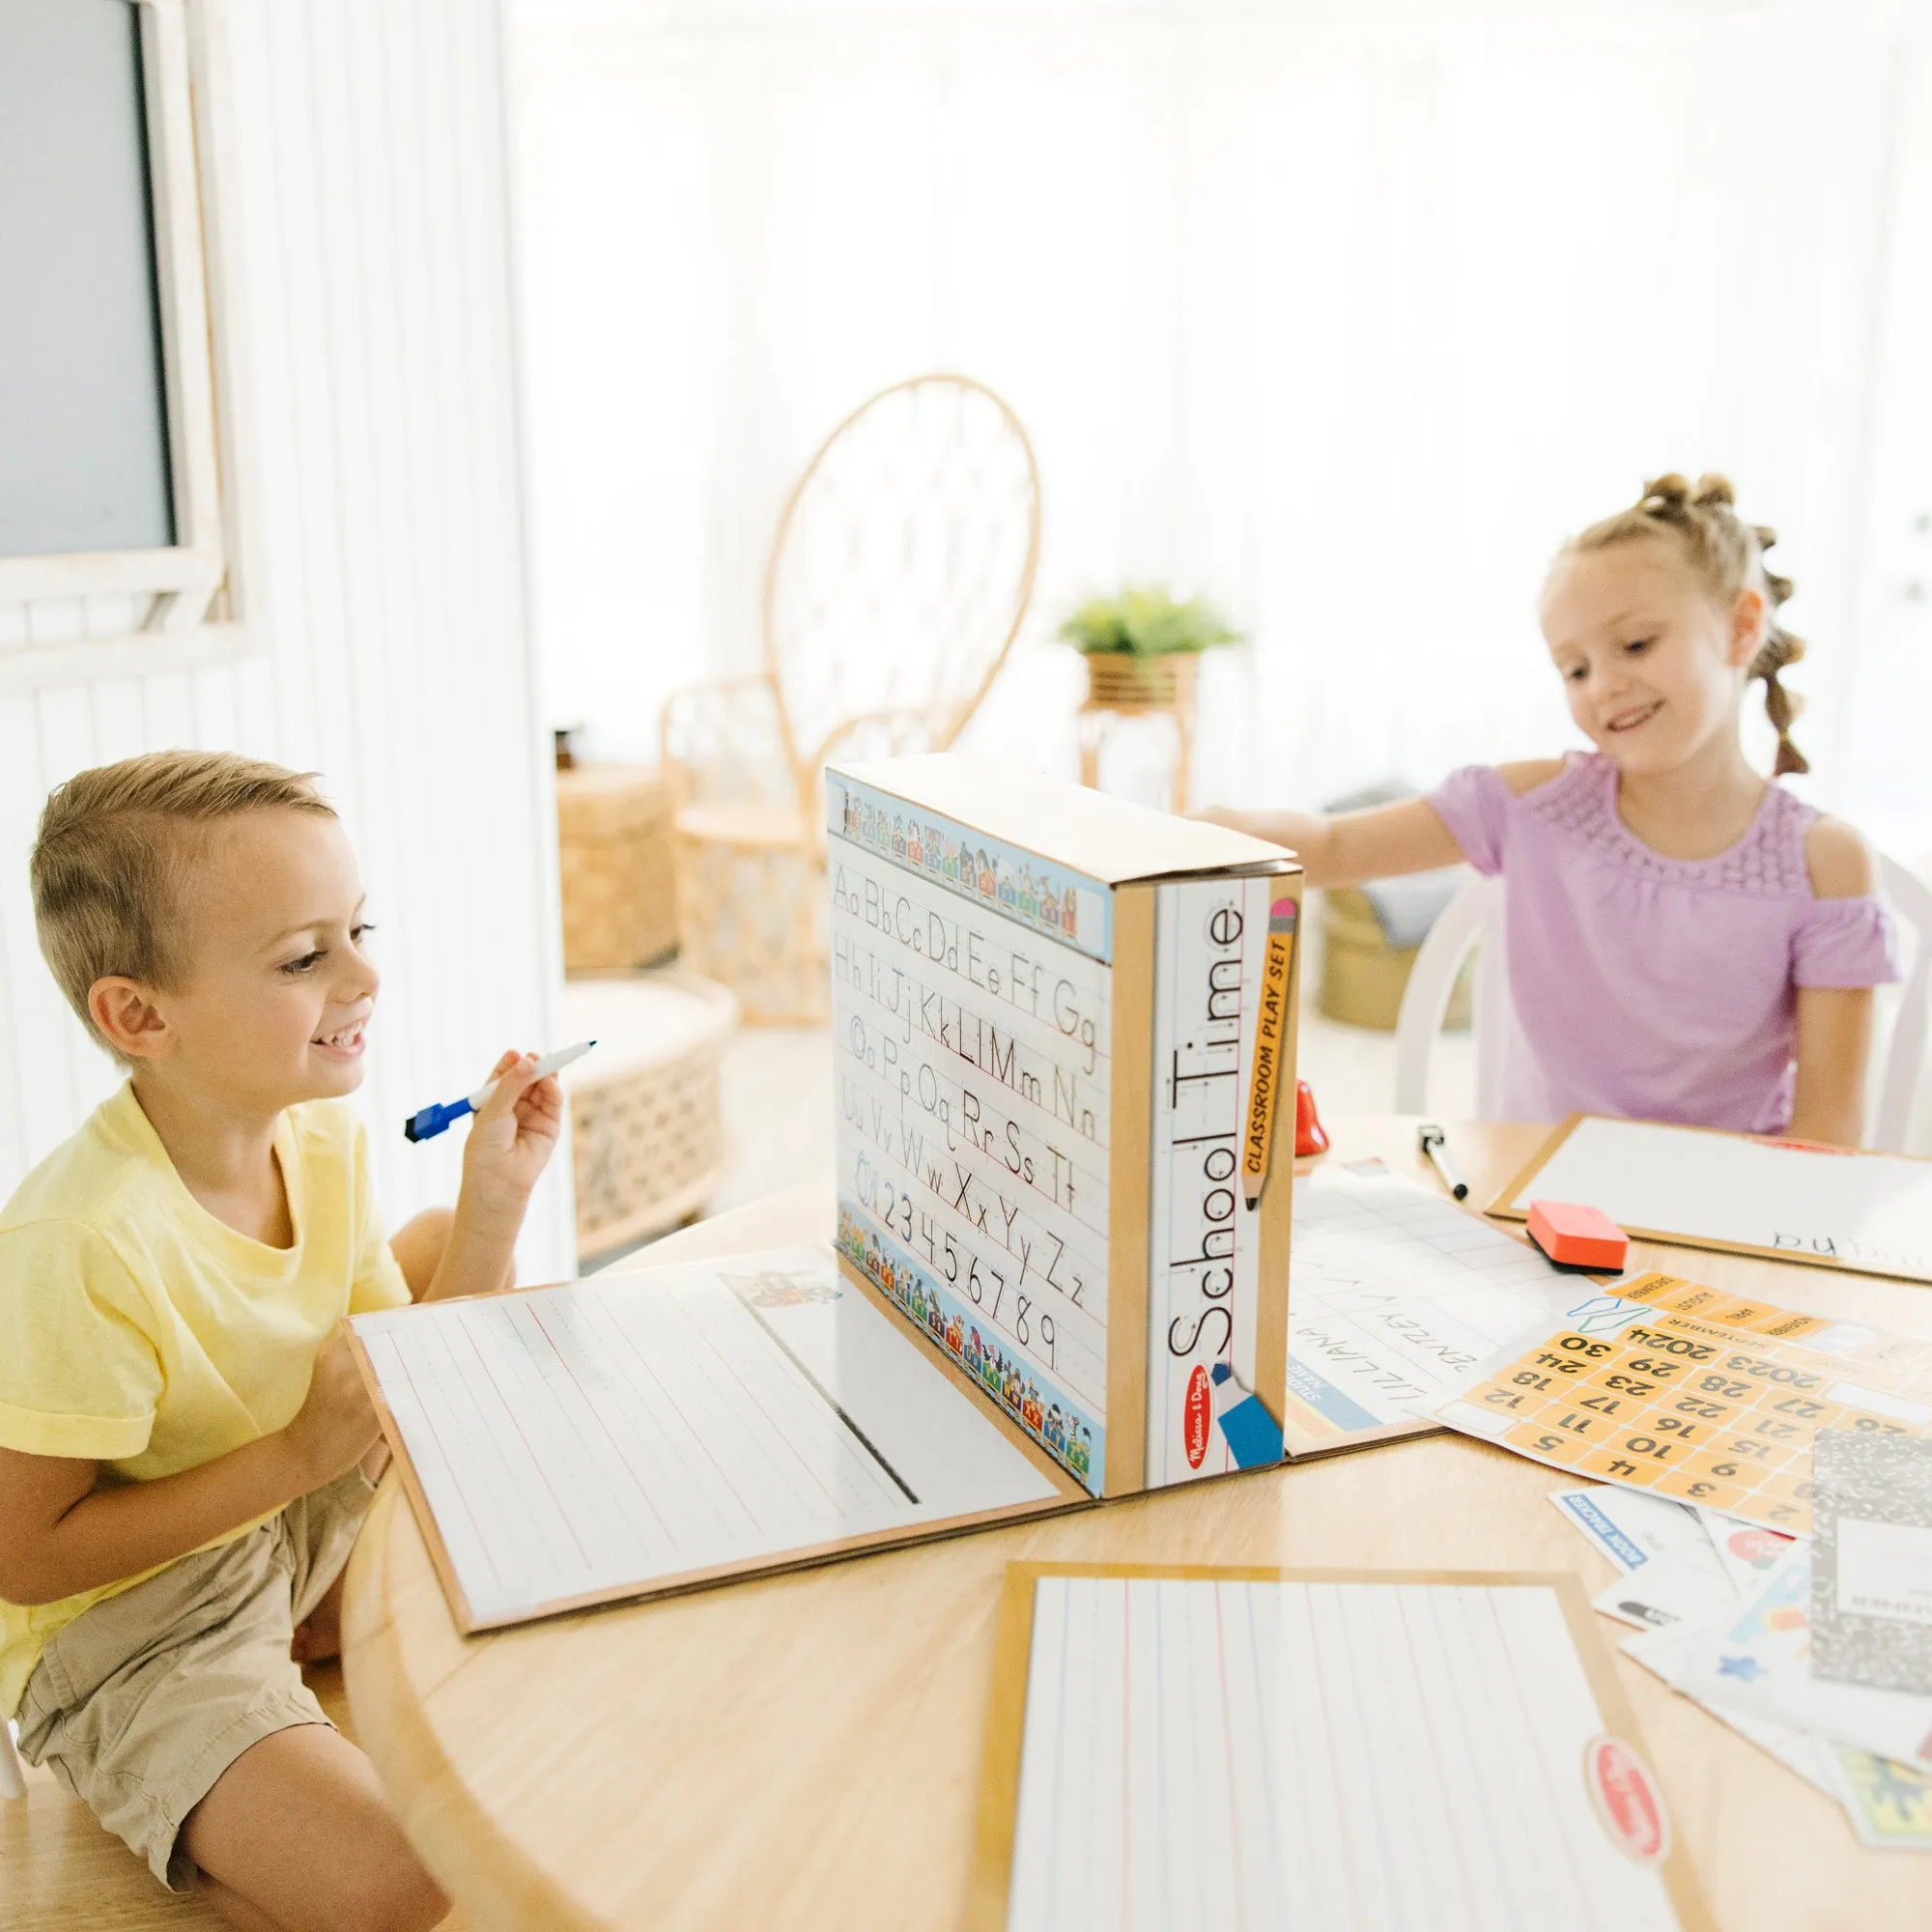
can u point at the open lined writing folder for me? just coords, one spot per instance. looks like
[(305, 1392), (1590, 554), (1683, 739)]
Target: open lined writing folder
[(643, 1434), (1170, 1748)]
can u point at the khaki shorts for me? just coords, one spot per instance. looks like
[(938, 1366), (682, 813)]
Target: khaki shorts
[(145, 1698)]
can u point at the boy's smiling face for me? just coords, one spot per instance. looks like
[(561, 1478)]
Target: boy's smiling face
[(274, 989)]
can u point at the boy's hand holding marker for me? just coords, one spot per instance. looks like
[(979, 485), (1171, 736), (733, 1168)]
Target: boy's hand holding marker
[(515, 1131), (519, 1117), (426, 1123)]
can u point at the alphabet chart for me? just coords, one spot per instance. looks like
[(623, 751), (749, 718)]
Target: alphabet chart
[(1170, 1750), (1210, 937), (1703, 1396), (637, 1432), (971, 1029)]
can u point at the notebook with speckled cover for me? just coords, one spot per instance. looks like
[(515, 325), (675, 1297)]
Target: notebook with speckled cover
[(1871, 1572)]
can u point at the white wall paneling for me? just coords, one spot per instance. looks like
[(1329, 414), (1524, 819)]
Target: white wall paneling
[(363, 193)]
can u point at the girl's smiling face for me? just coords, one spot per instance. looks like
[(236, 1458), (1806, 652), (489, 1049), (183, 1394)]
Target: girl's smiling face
[(1654, 667)]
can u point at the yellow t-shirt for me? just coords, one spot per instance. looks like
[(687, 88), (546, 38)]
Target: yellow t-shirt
[(139, 1331)]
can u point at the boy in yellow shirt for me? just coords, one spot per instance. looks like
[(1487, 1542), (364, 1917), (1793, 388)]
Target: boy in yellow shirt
[(186, 1448)]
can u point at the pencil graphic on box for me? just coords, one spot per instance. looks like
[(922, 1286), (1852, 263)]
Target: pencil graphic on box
[(1270, 1049)]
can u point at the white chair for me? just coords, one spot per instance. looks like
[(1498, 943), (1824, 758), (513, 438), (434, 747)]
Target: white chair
[(1425, 1000), (13, 1782), (1898, 1047)]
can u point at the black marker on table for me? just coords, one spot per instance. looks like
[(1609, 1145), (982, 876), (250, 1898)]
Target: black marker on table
[(1435, 1145)]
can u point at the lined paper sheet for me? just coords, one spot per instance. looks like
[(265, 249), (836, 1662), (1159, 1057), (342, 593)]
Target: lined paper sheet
[(1353, 1757), (1397, 1295), (631, 1429)]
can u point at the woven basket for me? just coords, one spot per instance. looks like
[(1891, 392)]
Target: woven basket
[(614, 867), (646, 1123), (1125, 681), (753, 909)]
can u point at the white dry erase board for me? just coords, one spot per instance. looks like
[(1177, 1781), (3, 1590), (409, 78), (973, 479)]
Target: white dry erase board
[(1173, 1748), (638, 1434), (1868, 1212)]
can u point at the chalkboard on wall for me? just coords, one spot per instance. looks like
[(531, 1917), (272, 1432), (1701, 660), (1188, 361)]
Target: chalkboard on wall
[(84, 459)]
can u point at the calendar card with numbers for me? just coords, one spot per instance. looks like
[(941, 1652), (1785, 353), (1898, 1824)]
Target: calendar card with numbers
[(1048, 1010), (1696, 1395)]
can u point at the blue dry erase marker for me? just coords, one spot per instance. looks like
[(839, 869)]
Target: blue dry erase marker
[(431, 1121)]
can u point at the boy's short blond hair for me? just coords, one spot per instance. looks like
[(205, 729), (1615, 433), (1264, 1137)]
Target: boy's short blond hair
[(114, 845)]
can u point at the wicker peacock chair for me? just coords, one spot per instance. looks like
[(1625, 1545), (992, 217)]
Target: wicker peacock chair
[(900, 572)]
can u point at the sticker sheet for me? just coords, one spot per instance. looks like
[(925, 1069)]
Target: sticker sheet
[(1889, 1804), (1749, 1553), (1627, 1526), (1757, 1658), (1683, 1588), (1696, 1395)]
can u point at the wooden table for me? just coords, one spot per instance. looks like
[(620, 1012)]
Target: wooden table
[(804, 1751)]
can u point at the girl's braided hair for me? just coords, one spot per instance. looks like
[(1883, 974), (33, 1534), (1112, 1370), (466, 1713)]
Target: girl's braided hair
[(1728, 555)]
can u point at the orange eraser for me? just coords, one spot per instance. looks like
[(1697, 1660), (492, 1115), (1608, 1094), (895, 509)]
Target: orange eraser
[(1579, 1238)]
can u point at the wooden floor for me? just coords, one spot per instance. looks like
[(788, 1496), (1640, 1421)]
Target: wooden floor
[(61, 1872)]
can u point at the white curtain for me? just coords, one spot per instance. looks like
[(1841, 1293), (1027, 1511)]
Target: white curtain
[(1341, 325)]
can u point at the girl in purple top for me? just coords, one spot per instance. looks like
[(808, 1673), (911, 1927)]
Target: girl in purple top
[(1685, 940)]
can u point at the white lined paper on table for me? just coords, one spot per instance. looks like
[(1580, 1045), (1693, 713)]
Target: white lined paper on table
[(1398, 1293), (1351, 1755)]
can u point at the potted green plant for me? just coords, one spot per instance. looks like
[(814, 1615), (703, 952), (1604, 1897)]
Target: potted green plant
[(1142, 647)]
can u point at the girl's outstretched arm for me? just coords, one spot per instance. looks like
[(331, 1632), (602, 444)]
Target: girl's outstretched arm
[(1835, 1023), (1381, 843)]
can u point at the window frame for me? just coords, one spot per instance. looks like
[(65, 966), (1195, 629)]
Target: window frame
[(193, 585)]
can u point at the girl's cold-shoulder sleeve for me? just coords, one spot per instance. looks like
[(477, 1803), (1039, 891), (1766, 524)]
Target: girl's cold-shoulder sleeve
[(1474, 803), (1845, 943)]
